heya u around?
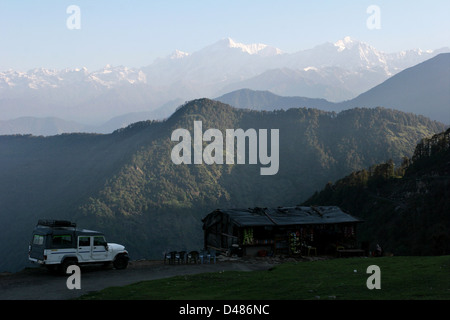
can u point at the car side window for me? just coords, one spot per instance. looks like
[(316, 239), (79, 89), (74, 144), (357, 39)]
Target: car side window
[(84, 241), (61, 241), (99, 241)]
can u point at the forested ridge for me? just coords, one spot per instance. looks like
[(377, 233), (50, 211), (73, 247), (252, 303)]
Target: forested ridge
[(406, 208), (126, 185)]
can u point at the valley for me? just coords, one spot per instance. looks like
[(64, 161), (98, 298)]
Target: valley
[(126, 184)]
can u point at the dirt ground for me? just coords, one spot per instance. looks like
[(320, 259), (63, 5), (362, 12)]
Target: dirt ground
[(39, 284)]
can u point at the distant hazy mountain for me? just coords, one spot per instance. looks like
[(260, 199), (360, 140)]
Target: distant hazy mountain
[(268, 101), (76, 95), (41, 126), (423, 89), (53, 126), (354, 55), (335, 71), (125, 120), (331, 83)]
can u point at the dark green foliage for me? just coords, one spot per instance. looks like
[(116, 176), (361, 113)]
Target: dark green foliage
[(406, 210), (126, 185)]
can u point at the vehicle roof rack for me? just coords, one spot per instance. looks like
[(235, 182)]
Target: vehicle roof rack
[(56, 223)]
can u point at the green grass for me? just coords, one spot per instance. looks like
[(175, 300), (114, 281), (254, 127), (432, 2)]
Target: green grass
[(402, 278)]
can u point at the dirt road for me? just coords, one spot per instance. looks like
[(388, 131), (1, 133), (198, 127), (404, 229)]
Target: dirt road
[(39, 284)]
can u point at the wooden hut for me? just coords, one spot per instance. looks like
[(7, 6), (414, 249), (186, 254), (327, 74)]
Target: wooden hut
[(295, 230)]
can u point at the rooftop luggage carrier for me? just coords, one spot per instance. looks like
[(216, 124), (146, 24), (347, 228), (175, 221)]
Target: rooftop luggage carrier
[(57, 224)]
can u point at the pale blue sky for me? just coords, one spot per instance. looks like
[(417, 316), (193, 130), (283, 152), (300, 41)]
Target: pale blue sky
[(135, 32)]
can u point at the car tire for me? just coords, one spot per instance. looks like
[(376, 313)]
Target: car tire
[(66, 264), (121, 262)]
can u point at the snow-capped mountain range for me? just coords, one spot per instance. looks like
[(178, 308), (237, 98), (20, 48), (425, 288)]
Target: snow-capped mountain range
[(334, 71), (38, 78)]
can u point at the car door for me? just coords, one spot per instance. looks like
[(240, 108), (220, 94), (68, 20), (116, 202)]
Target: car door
[(99, 249), (37, 247), (84, 248)]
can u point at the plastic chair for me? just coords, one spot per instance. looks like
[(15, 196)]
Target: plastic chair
[(202, 256), (205, 256), (182, 257), (213, 255), (169, 257), (172, 257), (192, 257)]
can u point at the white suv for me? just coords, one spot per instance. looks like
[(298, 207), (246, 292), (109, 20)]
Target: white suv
[(58, 244)]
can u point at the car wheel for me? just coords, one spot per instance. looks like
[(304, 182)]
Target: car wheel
[(121, 262), (66, 264)]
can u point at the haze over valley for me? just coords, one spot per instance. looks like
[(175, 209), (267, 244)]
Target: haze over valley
[(47, 102)]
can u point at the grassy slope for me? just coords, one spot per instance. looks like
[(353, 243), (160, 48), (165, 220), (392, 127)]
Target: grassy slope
[(402, 278)]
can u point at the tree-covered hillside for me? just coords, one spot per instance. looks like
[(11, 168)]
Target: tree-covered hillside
[(126, 184), (406, 208)]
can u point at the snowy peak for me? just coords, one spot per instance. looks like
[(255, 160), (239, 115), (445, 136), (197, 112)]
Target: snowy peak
[(346, 43), (354, 53), (108, 77), (178, 55), (111, 76), (255, 48), (251, 49), (222, 63)]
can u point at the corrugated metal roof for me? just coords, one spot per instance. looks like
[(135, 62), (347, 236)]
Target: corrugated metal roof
[(284, 216)]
